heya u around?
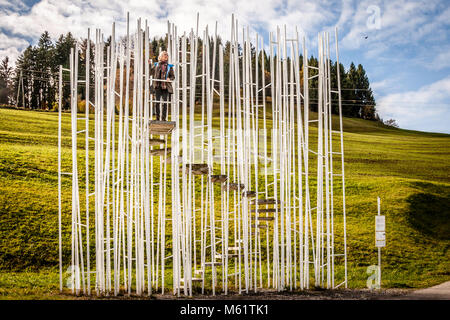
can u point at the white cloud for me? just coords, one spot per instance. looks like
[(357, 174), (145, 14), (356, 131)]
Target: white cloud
[(427, 108), (12, 5), (11, 47), (12, 53), (8, 41), (60, 16)]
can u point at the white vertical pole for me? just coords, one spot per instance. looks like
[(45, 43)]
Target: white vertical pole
[(342, 157), (306, 170), (126, 135), (379, 248), (266, 181), (59, 178), (73, 200), (120, 181), (148, 202), (87, 105)]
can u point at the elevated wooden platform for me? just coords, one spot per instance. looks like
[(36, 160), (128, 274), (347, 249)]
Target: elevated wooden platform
[(161, 127)]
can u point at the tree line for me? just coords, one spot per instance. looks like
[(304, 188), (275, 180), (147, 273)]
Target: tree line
[(33, 83)]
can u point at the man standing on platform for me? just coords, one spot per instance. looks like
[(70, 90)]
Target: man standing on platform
[(163, 75)]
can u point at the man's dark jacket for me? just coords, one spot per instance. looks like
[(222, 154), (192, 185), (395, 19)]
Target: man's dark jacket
[(169, 75)]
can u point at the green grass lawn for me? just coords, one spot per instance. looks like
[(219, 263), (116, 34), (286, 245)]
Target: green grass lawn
[(409, 170)]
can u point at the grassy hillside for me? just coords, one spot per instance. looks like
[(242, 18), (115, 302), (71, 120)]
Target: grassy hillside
[(409, 170)]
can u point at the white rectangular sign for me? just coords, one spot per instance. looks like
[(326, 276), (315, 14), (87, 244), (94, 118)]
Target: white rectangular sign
[(380, 239), (380, 244), (380, 224), (380, 231), (380, 235)]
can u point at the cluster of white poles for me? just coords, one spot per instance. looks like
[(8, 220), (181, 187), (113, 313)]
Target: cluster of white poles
[(244, 197)]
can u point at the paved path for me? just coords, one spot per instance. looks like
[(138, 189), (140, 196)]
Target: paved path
[(439, 292)]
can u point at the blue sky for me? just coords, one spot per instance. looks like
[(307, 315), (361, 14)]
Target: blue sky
[(403, 45)]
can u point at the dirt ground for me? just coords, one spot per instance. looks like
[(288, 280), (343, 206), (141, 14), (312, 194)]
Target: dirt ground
[(265, 294)]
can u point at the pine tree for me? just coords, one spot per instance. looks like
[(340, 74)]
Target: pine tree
[(62, 49), (313, 84), (83, 61), (44, 86), (63, 46), (364, 95), (5, 82), (226, 66), (350, 107), (154, 50), (25, 65)]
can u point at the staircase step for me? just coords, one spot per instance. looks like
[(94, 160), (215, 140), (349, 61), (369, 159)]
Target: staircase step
[(264, 210), (218, 178), (156, 142), (266, 218), (161, 127), (235, 186), (264, 201), (197, 168), (249, 194), (261, 226)]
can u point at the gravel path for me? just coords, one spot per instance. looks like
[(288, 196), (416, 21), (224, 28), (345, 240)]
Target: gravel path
[(439, 292)]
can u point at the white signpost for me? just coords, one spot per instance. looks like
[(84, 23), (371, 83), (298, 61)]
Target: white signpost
[(380, 227), (380, 237)]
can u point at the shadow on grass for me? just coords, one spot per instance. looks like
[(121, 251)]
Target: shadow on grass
[(429, 210)]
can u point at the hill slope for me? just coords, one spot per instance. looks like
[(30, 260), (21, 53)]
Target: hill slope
[(409, 170)]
